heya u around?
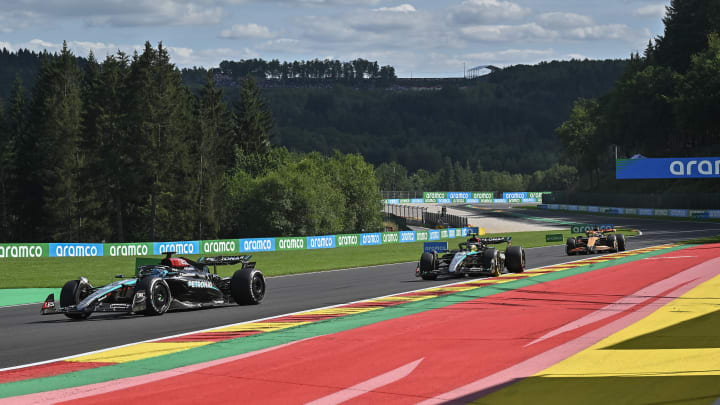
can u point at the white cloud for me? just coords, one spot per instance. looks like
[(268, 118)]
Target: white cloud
[(403, 8), (121, 13), (486, 11), (564, 20), (508, 32), (650, 10), (609, 31), (247, 31)]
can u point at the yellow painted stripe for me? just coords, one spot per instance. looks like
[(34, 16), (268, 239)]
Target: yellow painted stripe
[(395, 298), (261, 326), (138, 352), (671, 356), (339, 311), (452, 288)]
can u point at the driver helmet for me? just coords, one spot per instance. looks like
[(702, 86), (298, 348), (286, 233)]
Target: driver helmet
[(473, 248)]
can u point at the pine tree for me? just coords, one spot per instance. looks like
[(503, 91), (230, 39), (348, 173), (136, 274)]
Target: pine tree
[(18, 185), (7, 172), (159, 125), (56, 120), (212, 156), (687, 26), (253, 121)]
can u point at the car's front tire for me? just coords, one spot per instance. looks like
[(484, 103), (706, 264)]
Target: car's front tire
[(157, 295), (612, 242), (72, 293), (515, 259), (570, 245), (622, 245), (427, 266), (247, 286)]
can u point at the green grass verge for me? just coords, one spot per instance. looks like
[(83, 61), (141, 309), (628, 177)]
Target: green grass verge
[(55, 271), (702, 241), (602, 214)]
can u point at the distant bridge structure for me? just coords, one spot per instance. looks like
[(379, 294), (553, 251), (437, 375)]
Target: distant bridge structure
[(478, 71)]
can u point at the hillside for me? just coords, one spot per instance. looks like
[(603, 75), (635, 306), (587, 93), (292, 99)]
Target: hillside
[(486, 123)]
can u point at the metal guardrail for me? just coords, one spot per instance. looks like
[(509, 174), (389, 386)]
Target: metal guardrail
[(419, 216)]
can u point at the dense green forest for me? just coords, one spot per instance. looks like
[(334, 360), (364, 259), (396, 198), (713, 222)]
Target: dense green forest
[(123, 151), (666, 104), (356, 108)]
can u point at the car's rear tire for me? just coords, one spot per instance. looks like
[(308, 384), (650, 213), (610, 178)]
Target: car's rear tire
[(612, 242), (490, 261), (247, 286), (72, 293), (515, 259), (570, 245), (427, 265), (157, 295), (622, 244)]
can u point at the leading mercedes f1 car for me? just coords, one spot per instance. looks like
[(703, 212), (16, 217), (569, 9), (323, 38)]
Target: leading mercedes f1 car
[(173, 283), (595, 241), (474, 258)]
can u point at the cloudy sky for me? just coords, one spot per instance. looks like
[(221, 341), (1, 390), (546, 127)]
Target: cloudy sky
[(422, 38)]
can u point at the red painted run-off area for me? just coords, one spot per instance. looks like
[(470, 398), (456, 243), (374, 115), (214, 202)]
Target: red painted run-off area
[(430, 353)]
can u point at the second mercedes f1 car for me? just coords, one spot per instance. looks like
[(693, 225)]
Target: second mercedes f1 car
[(474, 258), (595, 241), (172, 283)]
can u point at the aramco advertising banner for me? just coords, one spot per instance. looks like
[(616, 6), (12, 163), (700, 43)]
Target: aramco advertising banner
[(667, 168)]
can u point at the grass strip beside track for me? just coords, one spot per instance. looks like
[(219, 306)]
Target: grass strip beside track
[(55, 271), (248, 344)]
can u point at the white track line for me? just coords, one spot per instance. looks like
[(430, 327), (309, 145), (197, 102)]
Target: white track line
[(270, 317)]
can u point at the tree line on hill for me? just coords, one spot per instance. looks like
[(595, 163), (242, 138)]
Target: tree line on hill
[(666, 104), (123, 151), (487, 122)]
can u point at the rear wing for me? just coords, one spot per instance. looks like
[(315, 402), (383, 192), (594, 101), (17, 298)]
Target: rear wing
[(224, 260), (491, 241)]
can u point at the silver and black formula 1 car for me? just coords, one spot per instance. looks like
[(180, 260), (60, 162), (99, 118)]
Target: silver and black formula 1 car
[(170, 283), (474, 258)]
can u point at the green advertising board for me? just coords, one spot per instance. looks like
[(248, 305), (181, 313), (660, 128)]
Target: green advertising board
[(514, 200), (444, 234), (434, 195), (219, 246), (555, 237), (422, 235), (15, 250), (289, 243), (405, 201), (430, 200), (390, 237), (486, 200), (128, 249), (485, 195), (352, 239), (458, 200)]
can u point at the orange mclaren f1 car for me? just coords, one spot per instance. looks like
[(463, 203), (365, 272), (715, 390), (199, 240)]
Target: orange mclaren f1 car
[(595, 241)]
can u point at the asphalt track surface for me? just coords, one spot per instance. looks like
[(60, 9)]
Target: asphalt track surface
[(26, 337)]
